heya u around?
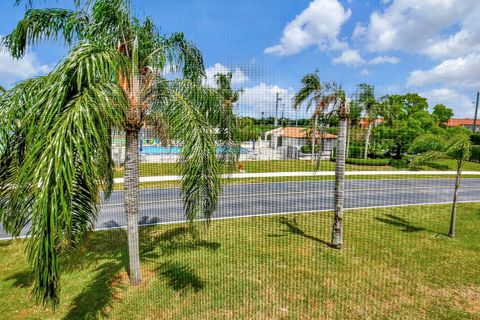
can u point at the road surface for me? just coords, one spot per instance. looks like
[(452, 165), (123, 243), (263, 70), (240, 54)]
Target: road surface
[(165, 205)]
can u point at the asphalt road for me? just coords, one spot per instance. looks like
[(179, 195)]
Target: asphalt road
[(165, 205)]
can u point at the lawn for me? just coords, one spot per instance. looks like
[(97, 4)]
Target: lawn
[(165, 169), (397, 264)]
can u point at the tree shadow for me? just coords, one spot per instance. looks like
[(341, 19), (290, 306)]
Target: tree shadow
[(294, 228), (399, 222), (22, 279), (180, 276), (5, 243), (94, 299), (174, 240)]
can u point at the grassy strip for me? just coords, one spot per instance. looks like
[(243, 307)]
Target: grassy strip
[(173, 184), (397, 263), (166, 169)]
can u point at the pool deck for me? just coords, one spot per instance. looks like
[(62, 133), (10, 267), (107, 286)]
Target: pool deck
[(262, 152)]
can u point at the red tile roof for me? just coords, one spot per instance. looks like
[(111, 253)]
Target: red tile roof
[(461, 122), (301, 133)]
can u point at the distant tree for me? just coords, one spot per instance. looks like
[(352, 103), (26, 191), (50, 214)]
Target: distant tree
[(227, 121), (442, 113), (371, 109), (452, 144), (311, 94), (405, 118)]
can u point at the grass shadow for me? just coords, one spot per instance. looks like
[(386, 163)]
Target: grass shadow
[(174, 240), (402, 223), (294, 228), (180, 277), (22, 279), (5, 243), (98, 295)]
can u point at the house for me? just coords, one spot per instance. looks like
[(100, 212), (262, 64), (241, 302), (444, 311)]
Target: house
[(297, 137), (465, 122)]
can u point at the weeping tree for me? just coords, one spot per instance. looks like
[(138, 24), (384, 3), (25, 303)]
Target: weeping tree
[(311, 93), (55, 130), (452, 144)]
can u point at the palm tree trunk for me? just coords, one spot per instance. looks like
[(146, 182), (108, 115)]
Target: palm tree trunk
[(314, 136), (367, 140), (131, 186), (337, 230), (348, 141), (453, 216)]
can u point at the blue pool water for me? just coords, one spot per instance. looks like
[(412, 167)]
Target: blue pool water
[(152, 150)]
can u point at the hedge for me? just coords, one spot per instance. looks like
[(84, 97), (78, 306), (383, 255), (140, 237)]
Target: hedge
[(367, 162), (475, 156)]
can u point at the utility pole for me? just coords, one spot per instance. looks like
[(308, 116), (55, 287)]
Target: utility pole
[(277, 99), (476, 114), (275, 138)]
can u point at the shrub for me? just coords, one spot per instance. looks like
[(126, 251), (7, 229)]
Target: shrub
[(308, 149), (475, 138), (475, 154), (368, 162)]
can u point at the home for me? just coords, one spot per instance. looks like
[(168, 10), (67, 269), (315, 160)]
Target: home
[(297, 137), (465, 122)]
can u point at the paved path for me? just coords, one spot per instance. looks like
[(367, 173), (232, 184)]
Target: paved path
[(165, 205)]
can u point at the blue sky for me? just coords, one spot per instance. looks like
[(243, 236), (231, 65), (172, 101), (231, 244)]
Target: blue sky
[(431, 47)]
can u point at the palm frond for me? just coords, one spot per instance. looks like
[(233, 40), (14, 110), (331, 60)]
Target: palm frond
[(66, 132), (46, 24), (200, 167)]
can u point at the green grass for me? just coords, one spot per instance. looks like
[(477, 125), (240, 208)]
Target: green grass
[(165, 169), (397, 264)]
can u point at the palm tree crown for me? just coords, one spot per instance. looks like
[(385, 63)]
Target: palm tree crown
[(55, 130)]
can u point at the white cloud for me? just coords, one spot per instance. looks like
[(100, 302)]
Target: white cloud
[(261, 98), (384, 59), (461, 104), (350, 58), (319, 25), (238, 76), (418, 26), (13, 70), (462, 72), (364, 72)]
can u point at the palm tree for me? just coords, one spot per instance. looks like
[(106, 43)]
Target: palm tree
[(311, 93), (451, 145), (340, 106), (55, 133), (370, 106), (228, 128)]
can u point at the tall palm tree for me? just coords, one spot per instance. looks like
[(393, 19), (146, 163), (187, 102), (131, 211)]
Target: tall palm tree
[(55, 133), (311, 93), (371, 109), (454, 145), (334, 100), (228, 129)]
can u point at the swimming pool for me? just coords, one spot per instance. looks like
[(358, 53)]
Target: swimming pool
[(153, 150)]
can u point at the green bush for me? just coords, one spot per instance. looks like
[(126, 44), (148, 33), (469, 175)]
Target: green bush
[(355, 151), (308, 149), (475, 154), (475, 138)]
